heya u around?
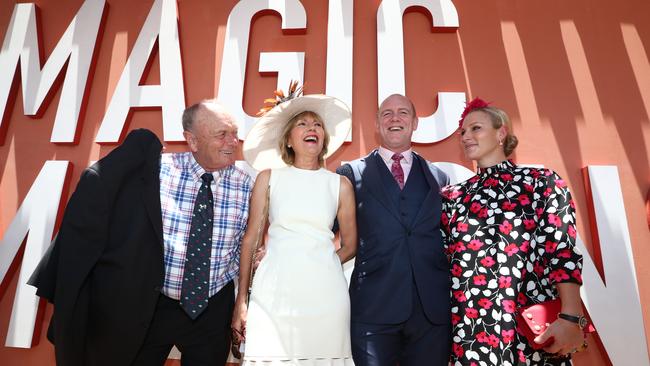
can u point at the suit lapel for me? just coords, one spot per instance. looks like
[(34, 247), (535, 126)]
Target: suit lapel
[(372, 177), (432, 196)]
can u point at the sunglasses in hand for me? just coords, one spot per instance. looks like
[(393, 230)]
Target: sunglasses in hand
[(237, 338)]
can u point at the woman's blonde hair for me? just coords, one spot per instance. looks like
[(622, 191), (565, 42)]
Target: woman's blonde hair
[(288, 155)]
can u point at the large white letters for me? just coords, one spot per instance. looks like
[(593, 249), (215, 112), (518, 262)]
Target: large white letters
[(339, 50), (614, 308), (456, 172), (161, 24), (36, 215), (338, 82), (233, 67), (76, 46), (288, 65), (623, 335), (390, 65)]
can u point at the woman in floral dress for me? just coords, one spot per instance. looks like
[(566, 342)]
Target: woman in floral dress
[(510, 234)]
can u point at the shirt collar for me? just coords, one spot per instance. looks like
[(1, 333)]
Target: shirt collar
[(196, 170), (502, 166), (387, 155)]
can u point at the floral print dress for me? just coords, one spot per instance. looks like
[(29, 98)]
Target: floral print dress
[(510, 235)]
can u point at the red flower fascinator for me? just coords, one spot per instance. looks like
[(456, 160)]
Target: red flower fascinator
[(476, 103)]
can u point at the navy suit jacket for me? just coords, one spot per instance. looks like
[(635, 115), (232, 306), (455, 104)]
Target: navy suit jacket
[(394, 255)]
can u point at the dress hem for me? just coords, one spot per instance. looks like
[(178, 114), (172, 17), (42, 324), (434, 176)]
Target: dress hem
[(284, 361)]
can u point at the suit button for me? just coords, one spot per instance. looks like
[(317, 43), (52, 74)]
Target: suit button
[(403, 213), (408, 233), (156, 289)]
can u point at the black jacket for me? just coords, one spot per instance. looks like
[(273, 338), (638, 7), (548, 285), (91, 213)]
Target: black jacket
[(105, 269)]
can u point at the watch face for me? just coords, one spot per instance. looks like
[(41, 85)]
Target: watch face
[(582, 323)]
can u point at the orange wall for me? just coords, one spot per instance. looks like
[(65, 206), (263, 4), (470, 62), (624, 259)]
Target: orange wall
[(562, 69)]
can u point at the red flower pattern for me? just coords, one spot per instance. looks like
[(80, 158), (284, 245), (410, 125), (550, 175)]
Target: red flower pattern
[(555, 220), (460, 296), (530, 224), (458, 350), (509, 306), (524, 200), (559, 275), (475, 244), (487, 262), (480, 280), (550, 246), (485, 303), (462, 227), (508, 335), (506, 227), (535, 202), (511, 249)]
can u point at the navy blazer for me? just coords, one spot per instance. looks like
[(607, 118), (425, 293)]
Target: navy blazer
[(394, 255)]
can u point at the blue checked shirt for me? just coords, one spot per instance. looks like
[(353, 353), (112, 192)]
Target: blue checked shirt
[(180, 180)]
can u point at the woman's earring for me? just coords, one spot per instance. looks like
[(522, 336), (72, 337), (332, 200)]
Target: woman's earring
[(289, 146), (500, 143)]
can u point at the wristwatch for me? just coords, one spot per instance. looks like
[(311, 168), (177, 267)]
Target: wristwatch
[(578, 319)]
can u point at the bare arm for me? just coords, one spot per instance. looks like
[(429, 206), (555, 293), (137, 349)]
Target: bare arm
[(255, 220), (347, 218)]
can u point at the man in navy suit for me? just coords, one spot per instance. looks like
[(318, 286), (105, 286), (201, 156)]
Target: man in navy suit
[(399, 289)]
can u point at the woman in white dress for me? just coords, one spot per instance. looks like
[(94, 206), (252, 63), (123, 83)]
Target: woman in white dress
[(299, 309)]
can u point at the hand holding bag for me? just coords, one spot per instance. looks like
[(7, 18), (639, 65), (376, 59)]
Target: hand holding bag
[(533, 320)]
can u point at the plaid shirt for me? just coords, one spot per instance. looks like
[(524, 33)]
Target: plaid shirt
[(180, 180)]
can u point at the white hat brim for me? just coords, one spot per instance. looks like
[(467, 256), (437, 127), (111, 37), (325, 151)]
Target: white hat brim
[(261, 147)]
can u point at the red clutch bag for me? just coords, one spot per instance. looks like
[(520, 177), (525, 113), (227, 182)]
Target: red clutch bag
[(534, 319)]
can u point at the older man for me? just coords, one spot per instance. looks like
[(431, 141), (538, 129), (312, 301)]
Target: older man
[(148, 249), (399, 289)]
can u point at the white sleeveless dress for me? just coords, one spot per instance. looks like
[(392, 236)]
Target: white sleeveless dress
[(299, 310)]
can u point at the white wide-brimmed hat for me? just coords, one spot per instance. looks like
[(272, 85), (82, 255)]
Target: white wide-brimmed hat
[(261, 147)]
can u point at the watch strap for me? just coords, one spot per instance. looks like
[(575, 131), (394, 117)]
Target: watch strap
[(580, 320)]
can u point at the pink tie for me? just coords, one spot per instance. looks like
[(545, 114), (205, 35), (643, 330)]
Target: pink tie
[(396, 169)]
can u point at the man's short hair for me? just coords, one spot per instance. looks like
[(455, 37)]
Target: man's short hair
[(189, 115)]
